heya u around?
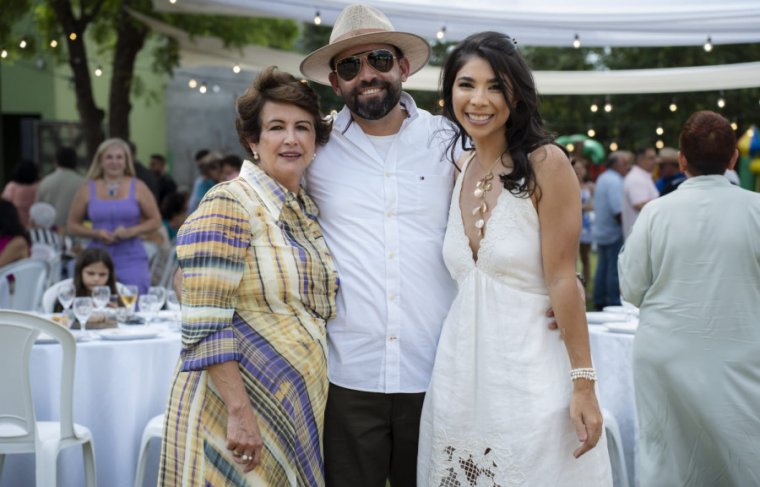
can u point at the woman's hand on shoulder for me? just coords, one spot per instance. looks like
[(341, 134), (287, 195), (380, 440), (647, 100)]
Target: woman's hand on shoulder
[(586, 416)]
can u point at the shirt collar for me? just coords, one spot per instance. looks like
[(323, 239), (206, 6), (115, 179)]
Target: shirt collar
[(344, 118), (704, 181), (274, 195)]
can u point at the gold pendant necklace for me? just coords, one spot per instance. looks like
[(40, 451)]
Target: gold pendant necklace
[(482, 187)]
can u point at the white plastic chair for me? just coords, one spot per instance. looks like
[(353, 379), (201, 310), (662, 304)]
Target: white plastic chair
[(19, 430), (167, 276), (52, 257), (27, 284), (154, 429), (615, 448), (50, 296)]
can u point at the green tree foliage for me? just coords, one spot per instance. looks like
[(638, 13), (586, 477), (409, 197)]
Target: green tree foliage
[(106, 26)]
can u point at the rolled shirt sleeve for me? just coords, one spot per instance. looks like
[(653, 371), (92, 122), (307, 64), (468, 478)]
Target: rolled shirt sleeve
[(211, 248)]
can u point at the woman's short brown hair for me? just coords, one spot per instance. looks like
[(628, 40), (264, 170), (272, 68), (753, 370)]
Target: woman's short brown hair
[(277, 86), (707, 142)]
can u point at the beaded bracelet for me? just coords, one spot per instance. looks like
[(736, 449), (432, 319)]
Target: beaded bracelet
[(584, 373)]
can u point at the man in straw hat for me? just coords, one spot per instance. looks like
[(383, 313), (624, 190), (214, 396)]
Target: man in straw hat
[(383, 187)]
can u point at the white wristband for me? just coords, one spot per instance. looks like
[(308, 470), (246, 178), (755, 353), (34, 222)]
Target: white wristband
[(584, 373)]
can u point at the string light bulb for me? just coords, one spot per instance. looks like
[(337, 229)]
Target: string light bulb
[(659, 130), (317, 18), (594, 107), (734, 125), (236, 69), (608, 107), (172, 1), (613, 146), (591, 132), (673, 107), (708, 44), (570, 148), (98, 71), (192, 84), (576, 41), (73, 36), (54, 43), (659, 144), (22, 44), (441, 33), (3, 54), (440, 102), (721, 101), (203, 88)]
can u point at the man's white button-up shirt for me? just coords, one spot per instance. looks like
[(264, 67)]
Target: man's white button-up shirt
[(384, 220)]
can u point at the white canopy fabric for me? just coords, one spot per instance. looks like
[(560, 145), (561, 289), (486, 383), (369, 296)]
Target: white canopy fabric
[(210, 51), (530, 22)]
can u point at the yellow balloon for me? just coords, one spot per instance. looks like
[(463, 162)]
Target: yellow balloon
[(743, 142), (754, 165)]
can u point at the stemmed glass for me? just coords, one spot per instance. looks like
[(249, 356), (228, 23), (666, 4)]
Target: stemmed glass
[(66, 295), (172, 303), (83, 308), (148, 304), (101, 295), (160, 294), (128, 295)]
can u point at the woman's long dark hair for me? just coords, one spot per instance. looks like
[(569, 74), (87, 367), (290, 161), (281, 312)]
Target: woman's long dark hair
[(525, 128), (10, 223)]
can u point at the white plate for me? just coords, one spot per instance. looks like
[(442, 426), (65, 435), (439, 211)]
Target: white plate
[(605, 317), (629, 327), (127, 334), (622, 309)]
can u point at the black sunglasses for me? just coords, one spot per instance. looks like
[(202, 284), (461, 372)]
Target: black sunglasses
[(380, 59)]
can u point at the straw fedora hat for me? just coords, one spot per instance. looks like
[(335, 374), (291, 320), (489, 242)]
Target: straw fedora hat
[(359, 25)]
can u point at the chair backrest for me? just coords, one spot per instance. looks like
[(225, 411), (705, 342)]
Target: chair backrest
[(50, 296), (5, 294), (18, 331), (167, 276), (26, 279), (52, 257)]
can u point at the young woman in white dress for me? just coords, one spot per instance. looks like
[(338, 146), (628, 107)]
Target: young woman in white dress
[(510, 402)]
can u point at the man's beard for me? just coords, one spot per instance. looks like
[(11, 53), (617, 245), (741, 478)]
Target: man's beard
[(374, 108)]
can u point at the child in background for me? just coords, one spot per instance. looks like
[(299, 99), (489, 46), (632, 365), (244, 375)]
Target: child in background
[(94, 267)]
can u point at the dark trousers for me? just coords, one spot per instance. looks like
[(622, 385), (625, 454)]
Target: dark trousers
[(371, 437), (606, 284)]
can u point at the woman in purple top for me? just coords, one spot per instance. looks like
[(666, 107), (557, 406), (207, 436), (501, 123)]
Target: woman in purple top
[(121, 208)]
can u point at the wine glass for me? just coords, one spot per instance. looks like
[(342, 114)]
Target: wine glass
[(172, 303), (160, 294), (101, 295), (66, 295), (148, 304), (83, 308), (128, 295)]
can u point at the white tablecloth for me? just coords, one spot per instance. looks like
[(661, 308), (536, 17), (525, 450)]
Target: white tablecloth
[(613, 359), (118, 387)]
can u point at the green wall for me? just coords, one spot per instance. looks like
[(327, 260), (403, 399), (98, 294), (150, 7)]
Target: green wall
[(48, 92)]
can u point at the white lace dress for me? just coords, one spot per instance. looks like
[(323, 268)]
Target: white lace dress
[(497, 410)]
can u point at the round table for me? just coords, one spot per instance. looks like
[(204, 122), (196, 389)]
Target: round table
[(118, 387), (612, 354)]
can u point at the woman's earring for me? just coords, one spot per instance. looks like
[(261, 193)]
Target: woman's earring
[(314, 156), (255, 156)]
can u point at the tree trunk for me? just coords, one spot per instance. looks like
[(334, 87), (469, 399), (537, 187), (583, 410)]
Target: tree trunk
[(131, 35), (90, 115)]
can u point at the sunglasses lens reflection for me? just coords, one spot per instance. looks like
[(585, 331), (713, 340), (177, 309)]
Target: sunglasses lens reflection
[(381, 60)]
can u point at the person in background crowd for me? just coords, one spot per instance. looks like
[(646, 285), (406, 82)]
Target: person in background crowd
[(166, 184), (587, 207), (93, 267), (230, 167), (209, 169), (669, 175), (121, 209), (173, 213), (22, 189), (692, 265), (41, 226), (14, 239), (607, 230), (59, 187), (143, 173), (638, 188)]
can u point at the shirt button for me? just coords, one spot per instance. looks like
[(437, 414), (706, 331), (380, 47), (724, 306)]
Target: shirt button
[(389, 213), (392, 297), (388, 174), (392, 338), (392, 255)]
